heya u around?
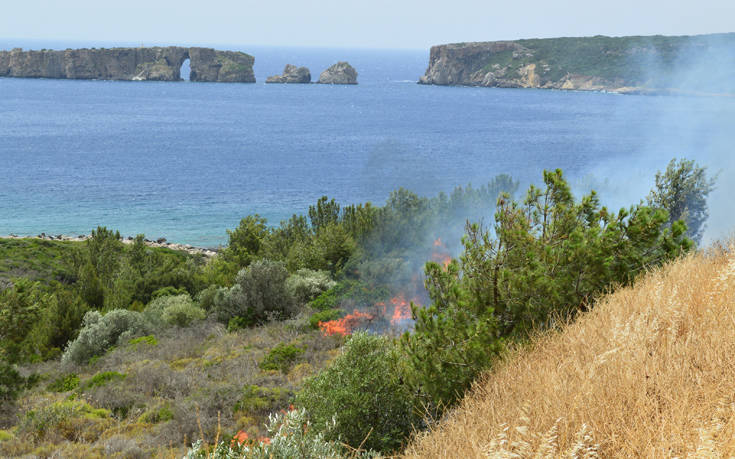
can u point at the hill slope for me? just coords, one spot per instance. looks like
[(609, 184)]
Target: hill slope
[(701, 63), (649, 372)]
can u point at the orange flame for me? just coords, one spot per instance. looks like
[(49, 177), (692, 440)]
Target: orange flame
[(441, 256), (345, 325), (242, 438), (401, 311)]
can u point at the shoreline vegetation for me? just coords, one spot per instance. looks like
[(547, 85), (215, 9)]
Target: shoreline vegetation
[(160, 242), (345, 331)]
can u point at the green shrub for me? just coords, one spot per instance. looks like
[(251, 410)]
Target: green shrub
[(324, 316), (5, 436), (183, 314), (206, 297), (259, 294), (158, 414), (238, 323), (148, 340), (103, 378), (262, 400), (99, 333), (64, 383), (11, 382), (58, 417), (327, 300), (177, 310), (169, 291), (281, 357), (363, 394), (305, 285)]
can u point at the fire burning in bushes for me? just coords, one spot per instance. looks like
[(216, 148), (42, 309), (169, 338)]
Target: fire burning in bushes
[(394, 314)]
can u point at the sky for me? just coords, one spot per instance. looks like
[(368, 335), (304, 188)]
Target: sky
[(399, 24)]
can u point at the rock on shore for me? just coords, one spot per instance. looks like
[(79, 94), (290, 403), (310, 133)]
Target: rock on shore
[(291, 75), (339, 73), (133, 64)]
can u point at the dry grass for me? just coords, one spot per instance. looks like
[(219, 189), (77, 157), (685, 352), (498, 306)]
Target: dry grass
[(649, 372)]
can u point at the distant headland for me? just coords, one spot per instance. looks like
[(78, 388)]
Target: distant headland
[(133, 64), (635, 64)]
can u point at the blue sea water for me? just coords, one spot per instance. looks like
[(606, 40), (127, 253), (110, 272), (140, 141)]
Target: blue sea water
[(186, 160)]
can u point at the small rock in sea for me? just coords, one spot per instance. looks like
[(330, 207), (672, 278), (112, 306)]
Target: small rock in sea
[(147, 240), (161, 240), (59, 237), (339, 73), (130, 238), (291, 74)]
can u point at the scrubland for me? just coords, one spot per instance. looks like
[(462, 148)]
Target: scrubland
[(154, 396), (649, 372)]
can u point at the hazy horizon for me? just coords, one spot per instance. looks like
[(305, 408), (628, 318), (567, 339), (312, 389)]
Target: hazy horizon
[(332, 24)]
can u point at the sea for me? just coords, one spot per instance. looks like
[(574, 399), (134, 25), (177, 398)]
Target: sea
[(186, 161)]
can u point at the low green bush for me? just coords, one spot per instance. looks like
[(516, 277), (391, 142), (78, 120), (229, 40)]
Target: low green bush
[(103, 378), (64, 383), (259, 295), (262, 400), (148, 340), (177, 310), (59, 417), (281, 357), (11, 382), (162, 413), (168, 291), (99, 333), (305, 285), (362, 393)]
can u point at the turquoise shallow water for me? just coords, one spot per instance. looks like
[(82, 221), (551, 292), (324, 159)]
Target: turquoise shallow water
[(185, 161)]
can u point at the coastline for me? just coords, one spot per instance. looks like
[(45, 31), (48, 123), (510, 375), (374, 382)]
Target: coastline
[(161, 242)]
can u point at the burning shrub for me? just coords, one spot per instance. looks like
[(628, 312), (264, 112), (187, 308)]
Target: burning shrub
[(363, 395), (324, 316)]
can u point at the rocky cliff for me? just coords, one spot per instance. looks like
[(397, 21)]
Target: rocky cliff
[(621, 64), (135, 64)]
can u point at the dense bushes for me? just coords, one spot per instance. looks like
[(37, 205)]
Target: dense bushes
[(363, 395), (259, 294), (304, 285), (177, 310), (99, 333)]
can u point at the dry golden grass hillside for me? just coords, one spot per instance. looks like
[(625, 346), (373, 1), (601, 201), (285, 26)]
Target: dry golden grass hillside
[(649, 372)]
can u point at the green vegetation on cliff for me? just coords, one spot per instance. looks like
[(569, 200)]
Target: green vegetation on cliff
[(695, 63)]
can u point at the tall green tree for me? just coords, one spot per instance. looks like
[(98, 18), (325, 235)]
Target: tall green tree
[(682, 190), (546, 258)]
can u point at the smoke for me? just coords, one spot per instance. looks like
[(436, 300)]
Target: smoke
[(695, 119)]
